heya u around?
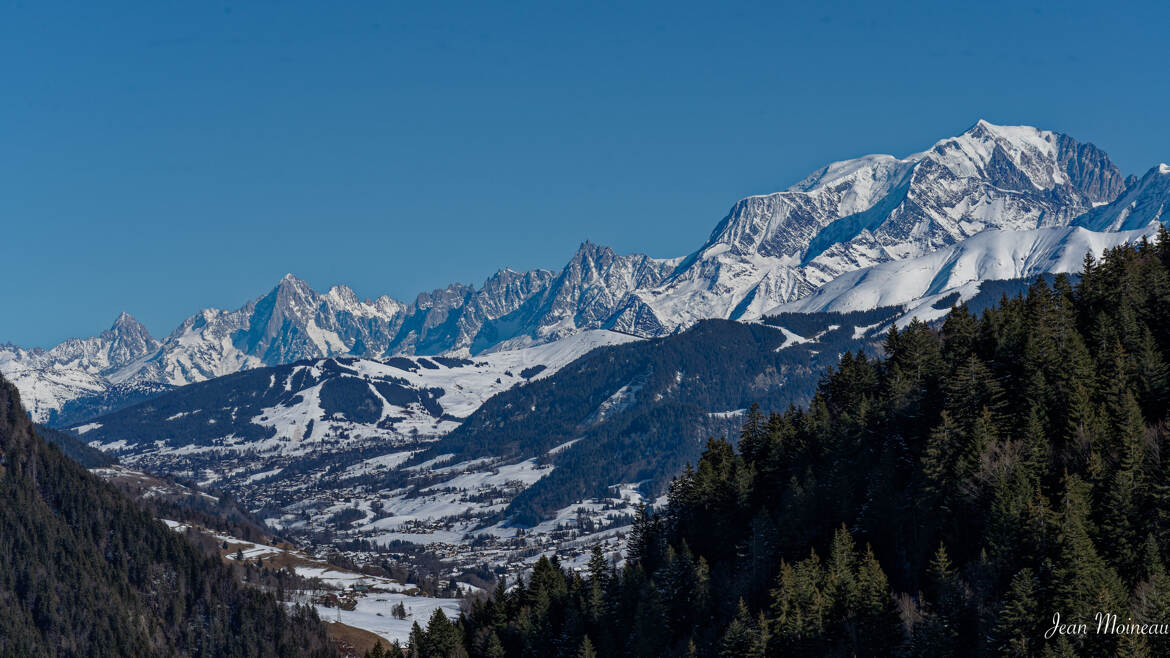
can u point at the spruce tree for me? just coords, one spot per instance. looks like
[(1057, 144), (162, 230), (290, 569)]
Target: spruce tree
[(1015, 629), (586, 650)]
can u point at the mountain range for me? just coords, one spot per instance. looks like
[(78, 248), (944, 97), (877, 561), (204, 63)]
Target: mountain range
[(995, 202)]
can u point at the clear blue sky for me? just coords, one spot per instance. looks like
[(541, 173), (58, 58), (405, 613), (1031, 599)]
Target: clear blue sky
[(160, 157)]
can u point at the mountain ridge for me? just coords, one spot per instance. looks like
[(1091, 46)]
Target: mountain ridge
[(769, 250)]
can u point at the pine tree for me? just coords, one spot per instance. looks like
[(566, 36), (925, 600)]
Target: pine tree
[(1152, 596), (494, 648), (417, 642), (1015, 629), (743, 637), (971, 392), (959, 331), (1037, 451), (939, 631), (939, 461), (1121, 519), (1153, 377), (753, 435), (800, 609), (586, 650), (879, 626), (1083, 582), (442, 637), (841, 586)]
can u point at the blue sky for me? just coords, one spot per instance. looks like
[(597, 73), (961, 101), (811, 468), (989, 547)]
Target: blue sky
[(160, 157)]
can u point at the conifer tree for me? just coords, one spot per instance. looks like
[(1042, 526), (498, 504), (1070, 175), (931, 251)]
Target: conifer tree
[(1083, 582), (1120, 521), (494, 648), (417, 643), (743, 637), (1015, 628), (879, 626), (753, 435), (586, 650)]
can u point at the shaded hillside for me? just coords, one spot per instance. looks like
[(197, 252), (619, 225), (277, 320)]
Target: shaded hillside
[(117, 396), (75, 449), (86, 572)]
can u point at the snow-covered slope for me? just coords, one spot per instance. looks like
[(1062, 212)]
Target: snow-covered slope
[(991, 255), (327, 404), (1144, 201), (776, 248)]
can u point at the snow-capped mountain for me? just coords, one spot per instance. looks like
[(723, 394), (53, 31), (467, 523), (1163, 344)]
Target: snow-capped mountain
[(592, 286), (919, 282), (124, 342), (293, 322), (75, 368), (770, 250), (776, 248)]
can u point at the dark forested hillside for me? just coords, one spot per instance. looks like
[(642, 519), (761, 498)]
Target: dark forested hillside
[(86, 572), (74, 448), (947, 500)]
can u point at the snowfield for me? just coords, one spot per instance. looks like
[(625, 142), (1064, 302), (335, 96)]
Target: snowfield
[(990, 255)]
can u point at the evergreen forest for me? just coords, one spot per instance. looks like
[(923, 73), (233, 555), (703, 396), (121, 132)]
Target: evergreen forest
[(86, 571)]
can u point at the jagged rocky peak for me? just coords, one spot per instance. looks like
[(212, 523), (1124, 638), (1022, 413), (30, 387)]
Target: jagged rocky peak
[(594, 261), (127, 340), (506, 290), (452, 296), (343, 297), (592, 287), (589, 262), (1090, 170), (294, 296), (295, 322)]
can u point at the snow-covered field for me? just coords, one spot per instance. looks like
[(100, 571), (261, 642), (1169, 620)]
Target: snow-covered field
[(919, 282), (373, 611)]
